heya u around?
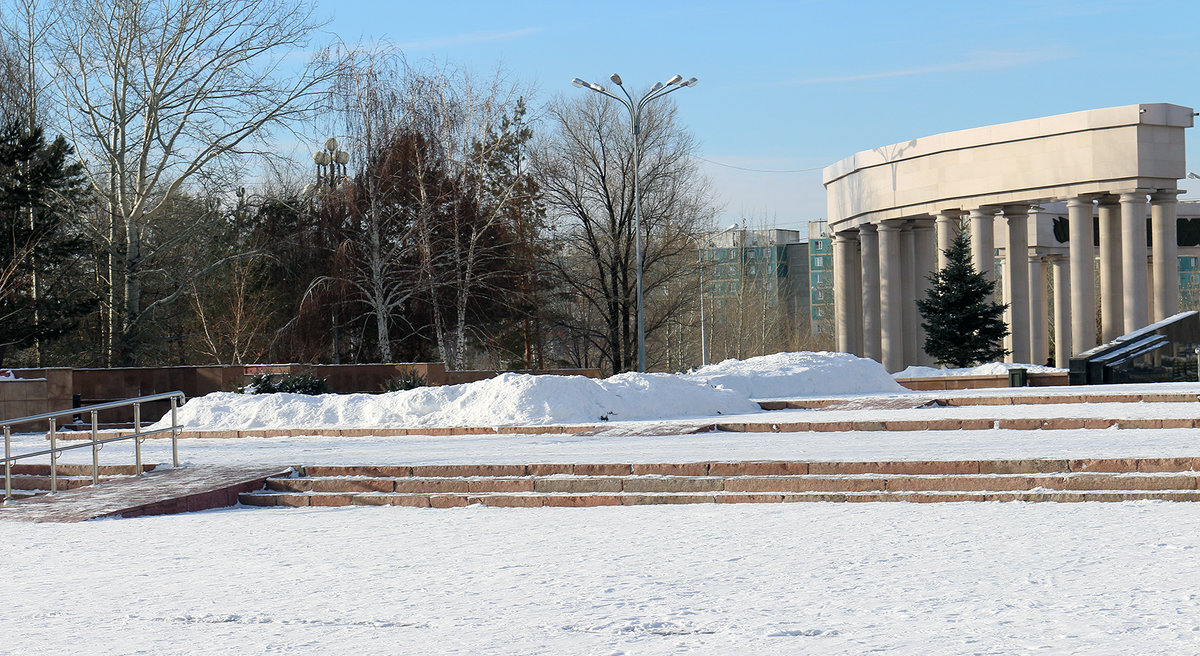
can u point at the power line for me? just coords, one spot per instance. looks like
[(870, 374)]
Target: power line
[(743, 168)]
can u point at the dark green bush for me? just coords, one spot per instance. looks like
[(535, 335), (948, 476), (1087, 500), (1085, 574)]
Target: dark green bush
[(302, 384), (407, 380)]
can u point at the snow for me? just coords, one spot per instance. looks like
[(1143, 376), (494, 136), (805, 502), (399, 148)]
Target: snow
[(799, 375), (527, 400), (908, 579), (507, 399), (989, 369)]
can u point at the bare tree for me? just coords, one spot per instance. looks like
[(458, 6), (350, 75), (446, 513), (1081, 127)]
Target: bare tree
[(158, 94), (585, 169)]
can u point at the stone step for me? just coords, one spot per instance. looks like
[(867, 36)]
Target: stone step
[(76, 470), (764, 468), (1020, 423), (36, 477), (286, 499), (19, 494), (741, 484), (1025, 423), (26, 482), (1111, 479), (991, 399)]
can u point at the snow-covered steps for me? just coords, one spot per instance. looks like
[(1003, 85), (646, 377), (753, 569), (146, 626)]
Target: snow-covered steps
[(1174, 479), (36, 478), (1055, 396), (159, 492), (1011, 423)]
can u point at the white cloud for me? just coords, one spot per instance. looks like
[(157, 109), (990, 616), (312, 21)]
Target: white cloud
[(983, 60)]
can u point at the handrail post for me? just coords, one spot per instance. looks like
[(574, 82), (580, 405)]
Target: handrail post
[(137, 440), (95, 450), (53, 457), (7, 462), (174, 431)]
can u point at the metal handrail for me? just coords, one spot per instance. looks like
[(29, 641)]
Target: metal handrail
[(138, 436)]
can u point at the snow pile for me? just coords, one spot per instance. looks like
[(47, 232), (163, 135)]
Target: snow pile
[(527, 400), (7, 374), (797, 375), (990, 369), (506, 400)]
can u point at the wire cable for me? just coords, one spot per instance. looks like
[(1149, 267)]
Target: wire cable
[(743, 168)]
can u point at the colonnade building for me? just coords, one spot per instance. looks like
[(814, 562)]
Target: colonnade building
[(894, 210)]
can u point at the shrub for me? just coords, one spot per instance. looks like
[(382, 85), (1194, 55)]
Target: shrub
[(407, 380), (302, 384)]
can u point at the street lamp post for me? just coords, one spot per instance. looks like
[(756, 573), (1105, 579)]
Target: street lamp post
[(703, 326), (635, 116), (331, 169)]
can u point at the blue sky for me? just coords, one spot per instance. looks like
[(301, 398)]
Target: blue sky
[(799, 85)]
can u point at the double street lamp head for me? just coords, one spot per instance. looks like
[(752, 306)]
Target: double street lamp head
[(676, 81)]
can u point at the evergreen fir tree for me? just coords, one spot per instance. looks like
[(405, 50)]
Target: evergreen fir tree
[(963, 325), (40, 188)]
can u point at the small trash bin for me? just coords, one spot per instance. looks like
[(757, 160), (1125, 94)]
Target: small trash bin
[(1018, 378)]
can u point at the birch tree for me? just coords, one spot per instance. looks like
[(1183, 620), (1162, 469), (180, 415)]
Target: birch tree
[(367, 93), (462, 230), (160, 94)]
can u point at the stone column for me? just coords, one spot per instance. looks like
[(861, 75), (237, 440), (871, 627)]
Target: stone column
[(1016, 279), (1150, 284), (1038, 350), (868, 239), (908, 303), (1112, 313), (983, 240), (857, 307), (1082, 276), (927, 254), (1063, 329), (1133, 261), (946, 224), (845, 261), (1163, 226), (891, 297)]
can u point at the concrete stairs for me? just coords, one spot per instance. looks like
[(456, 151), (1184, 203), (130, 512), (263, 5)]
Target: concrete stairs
[(536, 485)]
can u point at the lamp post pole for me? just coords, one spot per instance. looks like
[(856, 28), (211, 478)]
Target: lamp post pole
[(635, 118)]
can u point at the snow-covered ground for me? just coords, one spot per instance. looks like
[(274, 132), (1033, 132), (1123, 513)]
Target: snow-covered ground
[(984, 578), (961, 578)]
